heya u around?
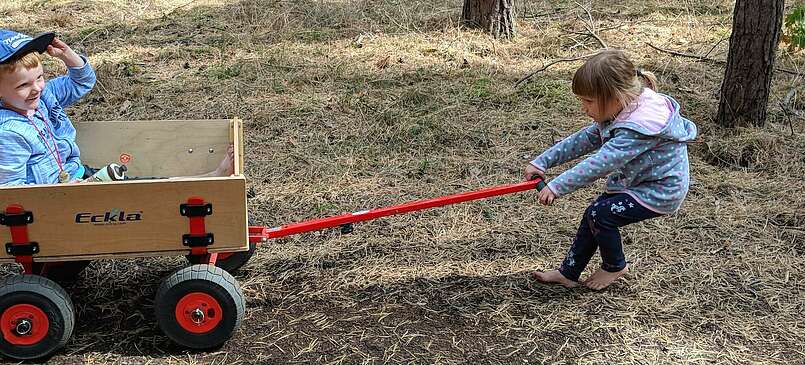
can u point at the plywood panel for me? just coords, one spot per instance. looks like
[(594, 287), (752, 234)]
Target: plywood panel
[(157, 148), (131, 218)]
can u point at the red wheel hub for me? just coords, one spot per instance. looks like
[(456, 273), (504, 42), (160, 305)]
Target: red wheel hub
[(198, 312), (24, 324)]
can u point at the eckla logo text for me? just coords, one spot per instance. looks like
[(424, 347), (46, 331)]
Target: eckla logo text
[(113, 217)]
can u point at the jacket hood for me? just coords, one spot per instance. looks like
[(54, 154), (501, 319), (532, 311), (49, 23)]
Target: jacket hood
[(655, 114)]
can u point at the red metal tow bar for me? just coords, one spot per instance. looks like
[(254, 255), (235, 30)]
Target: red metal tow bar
[(258, 234)]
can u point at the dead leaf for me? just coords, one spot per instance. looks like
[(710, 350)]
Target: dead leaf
[(383, 63)]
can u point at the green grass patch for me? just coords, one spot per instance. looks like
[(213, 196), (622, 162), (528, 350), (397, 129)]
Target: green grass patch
[(224, 72)]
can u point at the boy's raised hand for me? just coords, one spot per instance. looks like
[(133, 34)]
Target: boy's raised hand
[(62, 51)]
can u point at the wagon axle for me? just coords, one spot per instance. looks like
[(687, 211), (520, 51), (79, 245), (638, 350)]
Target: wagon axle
[(23, 327)]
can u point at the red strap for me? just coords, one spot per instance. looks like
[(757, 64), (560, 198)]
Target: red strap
[(19, 236), (197, 227)]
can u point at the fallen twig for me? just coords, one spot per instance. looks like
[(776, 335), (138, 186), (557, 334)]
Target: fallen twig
[(526, 77), (788, 109), (714, 46), (788, 117), (590, 26), (708, 59)]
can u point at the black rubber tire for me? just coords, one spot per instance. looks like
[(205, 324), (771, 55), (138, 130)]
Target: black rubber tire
[(61, 272), (51, 299), (232, 263), (209, 280)]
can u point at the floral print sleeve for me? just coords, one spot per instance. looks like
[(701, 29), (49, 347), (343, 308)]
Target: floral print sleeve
[(577, 144)]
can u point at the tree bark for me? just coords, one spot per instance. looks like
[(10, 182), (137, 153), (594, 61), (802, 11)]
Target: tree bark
[(756, 27), (497, 17)]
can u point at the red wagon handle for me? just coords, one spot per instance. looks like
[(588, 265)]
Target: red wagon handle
[(257, 234)]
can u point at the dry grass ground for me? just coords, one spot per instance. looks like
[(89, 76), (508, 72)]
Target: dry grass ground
[(359, 104)]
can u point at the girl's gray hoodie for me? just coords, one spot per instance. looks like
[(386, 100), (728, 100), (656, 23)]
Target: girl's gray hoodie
[(643, 150)]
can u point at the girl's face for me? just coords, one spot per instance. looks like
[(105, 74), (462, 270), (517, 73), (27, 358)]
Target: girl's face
[(20, 90), (600, 112)]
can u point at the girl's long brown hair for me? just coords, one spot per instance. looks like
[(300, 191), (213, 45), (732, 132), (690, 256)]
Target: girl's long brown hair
[(610, 74)]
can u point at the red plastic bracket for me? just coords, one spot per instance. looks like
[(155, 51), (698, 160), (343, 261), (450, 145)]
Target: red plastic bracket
[(195, 210), (258, 234), (19, 236)]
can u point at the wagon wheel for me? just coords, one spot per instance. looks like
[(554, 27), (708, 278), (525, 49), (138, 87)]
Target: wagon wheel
[(199, 306), (63, 271), (36, 317), (229, 261)]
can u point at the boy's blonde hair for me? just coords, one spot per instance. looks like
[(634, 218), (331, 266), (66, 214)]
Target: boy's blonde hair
[(28, 62), (610, 74)]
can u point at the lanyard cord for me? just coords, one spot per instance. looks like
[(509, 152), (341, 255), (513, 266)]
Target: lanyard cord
[(53, 152)]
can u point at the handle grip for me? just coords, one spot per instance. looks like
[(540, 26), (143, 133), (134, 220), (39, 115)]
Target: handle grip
[(541, 184)]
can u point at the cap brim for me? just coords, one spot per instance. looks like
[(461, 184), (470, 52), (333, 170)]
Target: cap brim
[(39, 44)]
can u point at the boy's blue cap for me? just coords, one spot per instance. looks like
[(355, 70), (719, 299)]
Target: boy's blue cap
[(14, 45)]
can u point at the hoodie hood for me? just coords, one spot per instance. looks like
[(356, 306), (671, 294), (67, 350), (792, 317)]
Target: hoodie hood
[(654, 114)]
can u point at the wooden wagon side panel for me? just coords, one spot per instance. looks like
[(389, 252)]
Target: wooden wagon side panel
[(126, 219), (237, 140), (159, 147)]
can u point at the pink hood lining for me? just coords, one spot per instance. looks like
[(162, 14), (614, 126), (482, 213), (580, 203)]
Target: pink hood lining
[(651, 111)]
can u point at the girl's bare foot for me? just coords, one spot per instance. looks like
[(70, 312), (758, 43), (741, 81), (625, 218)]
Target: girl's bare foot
[(602, 278), (554, 276), (227, 165)]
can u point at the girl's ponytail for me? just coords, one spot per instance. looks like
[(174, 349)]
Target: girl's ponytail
[(647, 78)]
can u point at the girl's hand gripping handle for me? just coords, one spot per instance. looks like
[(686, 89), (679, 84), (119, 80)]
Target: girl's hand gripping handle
[(532, 173), (541, 184), (546, 195)]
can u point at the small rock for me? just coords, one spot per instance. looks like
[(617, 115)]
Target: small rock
[(124, 107)]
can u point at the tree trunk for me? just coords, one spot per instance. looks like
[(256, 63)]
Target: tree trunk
[(756, 28), (494, 16)]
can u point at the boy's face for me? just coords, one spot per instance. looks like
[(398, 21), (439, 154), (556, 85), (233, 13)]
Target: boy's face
[(20, 90), (600, 112)]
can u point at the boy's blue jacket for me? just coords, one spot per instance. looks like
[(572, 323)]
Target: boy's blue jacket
[(643, 151), (24, 158)]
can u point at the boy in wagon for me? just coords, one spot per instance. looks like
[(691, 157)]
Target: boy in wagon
[(37, 139)]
